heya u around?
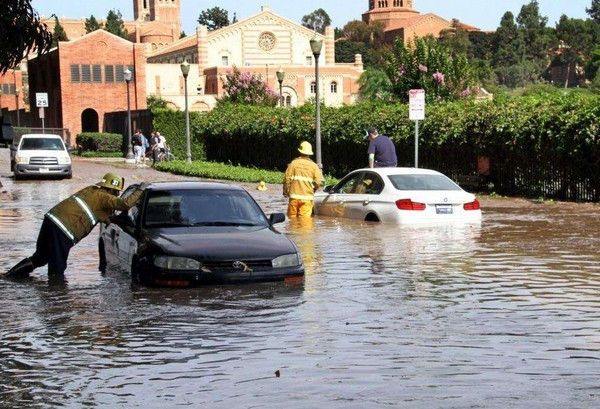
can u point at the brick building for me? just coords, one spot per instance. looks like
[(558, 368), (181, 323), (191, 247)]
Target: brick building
[(84, 79), (401, 20), (11, 95)]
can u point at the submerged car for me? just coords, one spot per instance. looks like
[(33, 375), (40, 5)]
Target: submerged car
[(183, 234), (40, 155), (400, 195)]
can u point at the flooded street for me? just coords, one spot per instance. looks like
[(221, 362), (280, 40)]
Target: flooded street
[(502, 315)]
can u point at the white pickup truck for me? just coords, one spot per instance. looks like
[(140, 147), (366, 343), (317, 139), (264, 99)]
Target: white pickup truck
[(40, 155)]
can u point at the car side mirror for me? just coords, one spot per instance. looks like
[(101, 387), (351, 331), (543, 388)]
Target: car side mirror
[(328, 188), (276, 218)]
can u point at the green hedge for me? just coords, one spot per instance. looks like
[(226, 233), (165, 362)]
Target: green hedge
[(171, 124), (538, 145), (94, 154), (100, 142)]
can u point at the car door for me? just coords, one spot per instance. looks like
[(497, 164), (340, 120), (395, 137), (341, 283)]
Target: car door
[(346, 196), (123, 233), (367, 198)]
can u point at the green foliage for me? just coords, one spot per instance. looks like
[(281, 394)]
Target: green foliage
[(155, 102), (533, 28), (594, 10), (115, 25), (220, 171), (429, 65), (171, 124), (247, 88), (22, 32), (99, 142), (59, 33), (318, 20), (375, 84), (214, 18), (94, 154), (91, 24)]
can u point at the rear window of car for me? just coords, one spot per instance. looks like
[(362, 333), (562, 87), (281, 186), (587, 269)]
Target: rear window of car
[(47, 144), (423, 182)]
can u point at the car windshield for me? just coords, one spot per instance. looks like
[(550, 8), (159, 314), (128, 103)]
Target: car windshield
[(423, 182), (202, 207), (47, 144)]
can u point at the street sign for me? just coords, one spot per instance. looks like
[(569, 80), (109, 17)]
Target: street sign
[(41, 99), (42, 113), (416, 105)]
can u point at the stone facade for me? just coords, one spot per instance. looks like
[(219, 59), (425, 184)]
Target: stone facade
[(261, 45), (83, 86)]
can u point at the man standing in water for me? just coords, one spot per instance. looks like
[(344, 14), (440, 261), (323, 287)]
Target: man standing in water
[(70, 221), (302, 179)]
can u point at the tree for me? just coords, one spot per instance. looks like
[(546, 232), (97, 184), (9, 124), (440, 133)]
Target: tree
[(533, 28), (91, 24), (214, 18), (509, 45), (234, 19), (246, 88), (318, 20), (114, 24), (594, 10), (374, 84), (22, 32), (455, 39), (182, 35), (59, 33), (576, 42), (357, 31)]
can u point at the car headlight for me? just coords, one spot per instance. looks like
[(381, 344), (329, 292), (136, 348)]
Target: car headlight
[(176, 263), (64, 160), (22, 160), (287, 260)]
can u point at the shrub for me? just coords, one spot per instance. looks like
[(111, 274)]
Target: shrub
[(171, 124), (100, 142), (247, 88)]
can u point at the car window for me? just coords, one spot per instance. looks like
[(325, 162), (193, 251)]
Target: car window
[(349, 185), (423, 182), (48, 144), (202, 207), (371, 184)]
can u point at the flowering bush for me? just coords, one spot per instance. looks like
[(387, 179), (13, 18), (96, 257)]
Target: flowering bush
[(411, 67), (246, 88)]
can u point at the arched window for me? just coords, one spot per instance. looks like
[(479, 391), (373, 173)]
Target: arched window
[(313, 87), (288, 100), (225, 61), (334, 87)]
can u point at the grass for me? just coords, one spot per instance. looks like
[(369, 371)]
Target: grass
[(94, 154), (222, 171)]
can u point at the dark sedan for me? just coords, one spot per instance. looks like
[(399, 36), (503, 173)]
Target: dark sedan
[(193, 233)]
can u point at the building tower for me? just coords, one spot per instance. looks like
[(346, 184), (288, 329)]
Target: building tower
[(389, 12), (166, 11), (141, 10)]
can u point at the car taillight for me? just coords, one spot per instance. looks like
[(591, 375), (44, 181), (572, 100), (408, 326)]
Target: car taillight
[(407, 204), (472, 205)]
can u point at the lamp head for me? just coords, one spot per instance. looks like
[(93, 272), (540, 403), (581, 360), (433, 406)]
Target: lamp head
[(128, 75), (185, 68), (280, 75), (316, 45)]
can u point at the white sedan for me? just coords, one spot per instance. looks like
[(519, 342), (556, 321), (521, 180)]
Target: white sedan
[(400, 195)]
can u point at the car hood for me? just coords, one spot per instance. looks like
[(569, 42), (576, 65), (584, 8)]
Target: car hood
[(221, 243)]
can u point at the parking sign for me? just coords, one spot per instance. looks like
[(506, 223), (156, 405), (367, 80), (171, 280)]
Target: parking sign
[(416, 98), (41, 99)]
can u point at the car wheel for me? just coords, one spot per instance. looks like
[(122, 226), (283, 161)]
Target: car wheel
[(101, 257), (372, 217), (17, 176), (69, 176), (136, 278)]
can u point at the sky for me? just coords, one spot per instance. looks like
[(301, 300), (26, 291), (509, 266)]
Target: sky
[(484, 14)]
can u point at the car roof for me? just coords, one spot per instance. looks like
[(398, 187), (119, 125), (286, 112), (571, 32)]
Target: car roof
[(399, 171), (40, 135), (191, 185)]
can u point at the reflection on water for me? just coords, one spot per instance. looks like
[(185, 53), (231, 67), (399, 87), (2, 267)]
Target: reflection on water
[(502, 314)]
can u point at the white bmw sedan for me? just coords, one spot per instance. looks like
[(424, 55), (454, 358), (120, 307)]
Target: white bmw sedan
[(400, 195)]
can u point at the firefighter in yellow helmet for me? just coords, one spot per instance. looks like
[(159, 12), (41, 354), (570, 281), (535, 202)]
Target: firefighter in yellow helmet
[(71, 220), (302, 178)]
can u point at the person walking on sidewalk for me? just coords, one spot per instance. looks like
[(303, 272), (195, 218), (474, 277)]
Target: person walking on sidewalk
[(71, 220), (302, 178), (382, 152)]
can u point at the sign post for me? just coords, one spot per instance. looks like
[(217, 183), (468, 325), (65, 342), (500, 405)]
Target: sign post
[(416, 111), (41, 101)]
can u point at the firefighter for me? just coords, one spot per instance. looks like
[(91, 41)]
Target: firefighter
[(71, 220), (302, 179)]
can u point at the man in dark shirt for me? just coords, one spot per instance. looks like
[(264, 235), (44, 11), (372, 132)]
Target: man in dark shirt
[(382, 152)]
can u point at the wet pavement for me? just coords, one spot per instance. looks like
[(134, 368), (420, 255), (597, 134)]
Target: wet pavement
[(501, 315)]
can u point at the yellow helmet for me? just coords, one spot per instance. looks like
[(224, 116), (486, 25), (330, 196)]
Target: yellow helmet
[(112, 181), (305, 148), (262, 186)]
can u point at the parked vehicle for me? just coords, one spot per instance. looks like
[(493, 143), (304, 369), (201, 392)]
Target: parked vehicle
[(7, 133), (40, 155), (192, 233), (400, 195)]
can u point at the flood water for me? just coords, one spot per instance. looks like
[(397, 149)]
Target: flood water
[(502, 315)]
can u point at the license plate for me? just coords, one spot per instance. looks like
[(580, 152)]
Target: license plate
[(44, 170), (443, 209)]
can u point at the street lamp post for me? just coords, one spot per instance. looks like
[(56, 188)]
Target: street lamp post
[(280, 78), (17, 99), (130, 157), (185, 70), (316, 45)]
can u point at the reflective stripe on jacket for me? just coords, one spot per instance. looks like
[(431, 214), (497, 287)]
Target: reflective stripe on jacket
[(78, 215), (302, 179)]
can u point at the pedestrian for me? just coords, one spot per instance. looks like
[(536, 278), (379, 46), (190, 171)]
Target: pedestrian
[(145, 147), (382, 152), (302, 178), (154, 146), (138, 148), (67, 223)]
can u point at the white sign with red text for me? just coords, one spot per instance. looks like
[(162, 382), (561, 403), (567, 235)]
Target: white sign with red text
[(416, 104)]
